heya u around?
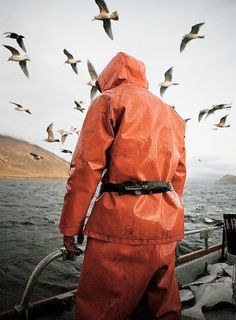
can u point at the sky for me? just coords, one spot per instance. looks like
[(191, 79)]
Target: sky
[(149, 30)]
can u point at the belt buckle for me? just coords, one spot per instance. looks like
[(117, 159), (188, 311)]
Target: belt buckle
[(135, 189)]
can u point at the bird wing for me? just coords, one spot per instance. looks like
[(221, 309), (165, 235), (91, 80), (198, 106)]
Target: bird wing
[(21, 42), (77, 104), (61, 131), (68, 54), (24, 68), (50, 132), (196, 27), (18, 105), (12, 35), (186, 120), (66, 151), (183, 44), (74, 67), (107, 28), (63, 138), (201, 114), (34, 154), (210, 111), (162, 90), (13, 50), (102, 5), (93, 92), (221, 106), (168, 74), (223, 119), (92, 71)]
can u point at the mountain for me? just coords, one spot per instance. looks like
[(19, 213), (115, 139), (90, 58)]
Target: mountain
[(17, 162), (227, 179)]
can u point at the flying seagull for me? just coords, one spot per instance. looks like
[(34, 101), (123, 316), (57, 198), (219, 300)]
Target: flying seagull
[(73, 129), (168, 82), (50, 137), (64, 135), (92, 82), (66, 151), (19, 38), (218, 107), (213, 109), (191, 36), (19, 107), (71, 60), (222, 124), (17, 57), (106, 17), (36, 156), (79, 106)]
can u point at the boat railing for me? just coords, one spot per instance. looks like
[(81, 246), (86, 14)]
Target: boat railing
[(21, 311), (204, 234)]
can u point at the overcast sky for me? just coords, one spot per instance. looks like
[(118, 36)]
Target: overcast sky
[(150, 31)]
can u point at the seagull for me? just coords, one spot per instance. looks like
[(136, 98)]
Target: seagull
[(73, 129), (71, 60), (19, 107), (192, 35), (64, 135), (19, 38), (218, 107), (79, 106), (36, 156), (222, 124), (168, 82), (213, 109), (66, 151), (106, 17), (50, 137), (92, 82), (17, 57)]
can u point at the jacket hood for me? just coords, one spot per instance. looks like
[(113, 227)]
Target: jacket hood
[(123, 68)]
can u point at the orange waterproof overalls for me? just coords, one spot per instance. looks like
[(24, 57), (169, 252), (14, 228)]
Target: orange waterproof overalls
[(130, 256)]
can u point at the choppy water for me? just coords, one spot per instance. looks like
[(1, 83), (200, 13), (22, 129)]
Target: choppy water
[(29, 216)]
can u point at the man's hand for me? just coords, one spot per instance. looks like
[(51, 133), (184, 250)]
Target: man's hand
[(80, 238), (70, 245)]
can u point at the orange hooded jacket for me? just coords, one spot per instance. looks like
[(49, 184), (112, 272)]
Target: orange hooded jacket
[(135, 136)]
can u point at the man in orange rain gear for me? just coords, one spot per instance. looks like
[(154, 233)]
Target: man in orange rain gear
[(134, 143)]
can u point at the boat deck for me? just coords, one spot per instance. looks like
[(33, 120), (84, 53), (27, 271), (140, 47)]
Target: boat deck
[(188, 271)]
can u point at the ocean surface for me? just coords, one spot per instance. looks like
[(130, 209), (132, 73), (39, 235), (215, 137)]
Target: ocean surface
[(29, 217)]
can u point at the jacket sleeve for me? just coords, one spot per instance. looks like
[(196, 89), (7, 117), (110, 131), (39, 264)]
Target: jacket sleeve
[(179, 177), (88, 162)]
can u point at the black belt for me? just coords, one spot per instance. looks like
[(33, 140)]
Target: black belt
[(137, 188)]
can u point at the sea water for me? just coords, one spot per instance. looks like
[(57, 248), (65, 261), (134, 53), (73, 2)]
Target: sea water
[(29, 217)]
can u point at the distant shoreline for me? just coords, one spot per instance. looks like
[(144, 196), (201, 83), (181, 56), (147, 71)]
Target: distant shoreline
[(17, 162)]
